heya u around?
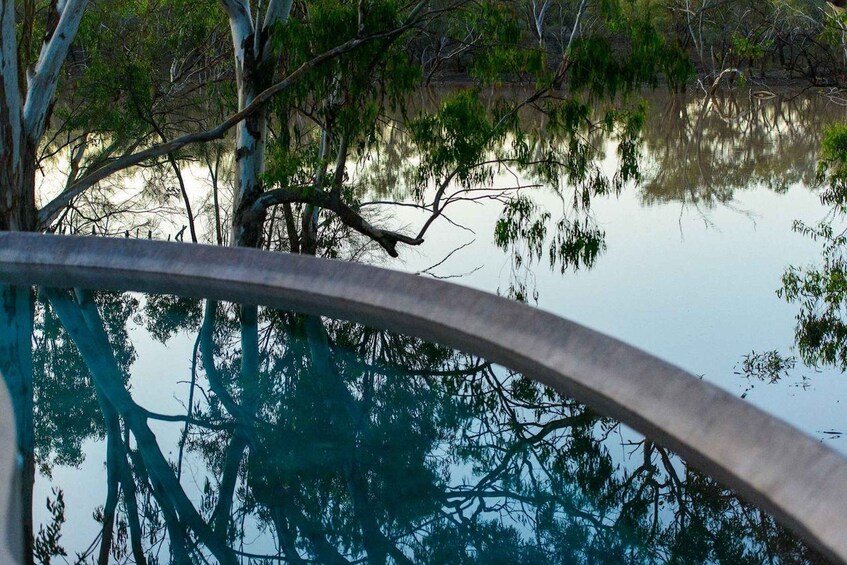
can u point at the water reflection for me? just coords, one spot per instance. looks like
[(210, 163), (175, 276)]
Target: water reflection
[(702, 151), (694, 149), (310, 439)]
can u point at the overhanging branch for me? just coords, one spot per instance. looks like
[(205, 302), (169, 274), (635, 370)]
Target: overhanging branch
[(387, 239), (52, 209)]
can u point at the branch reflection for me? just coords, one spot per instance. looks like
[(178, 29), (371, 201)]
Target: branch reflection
[(315, 440)]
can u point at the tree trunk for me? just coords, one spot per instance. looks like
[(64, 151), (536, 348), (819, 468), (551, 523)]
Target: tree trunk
[(251, 137), (255, 62), (17, 186)]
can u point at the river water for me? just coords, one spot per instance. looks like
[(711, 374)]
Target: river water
[(695, 252)]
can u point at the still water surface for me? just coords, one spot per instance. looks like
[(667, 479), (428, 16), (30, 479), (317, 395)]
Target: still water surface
[(302, 438), (487, 465), (695, 253)]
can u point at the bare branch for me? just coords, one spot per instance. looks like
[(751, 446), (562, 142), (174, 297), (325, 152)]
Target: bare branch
[(430, 268), (52, 209), (388, 240)]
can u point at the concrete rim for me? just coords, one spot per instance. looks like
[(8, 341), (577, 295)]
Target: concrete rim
[(787, 473), (10, 530)]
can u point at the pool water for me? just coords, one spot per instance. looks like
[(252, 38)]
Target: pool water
[(260, 435)]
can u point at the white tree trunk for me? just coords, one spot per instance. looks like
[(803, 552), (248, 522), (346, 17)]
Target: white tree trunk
[(254, 71), (23, 121), (44, 78)]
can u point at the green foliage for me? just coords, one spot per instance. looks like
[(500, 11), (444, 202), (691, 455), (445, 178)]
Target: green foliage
[(127, 53), (631, 54), (466, 143), (473, 133), (832, 167), (347, 89), (46, 545), (134, 51), (508, 53), (576, 245), (821, 291), (798, 37), (522, 229), (522, 222), (746, 48), (455, 140), (347, 98)]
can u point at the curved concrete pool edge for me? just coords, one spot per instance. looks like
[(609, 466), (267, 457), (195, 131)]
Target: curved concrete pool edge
[(10, 524), (789, 474)]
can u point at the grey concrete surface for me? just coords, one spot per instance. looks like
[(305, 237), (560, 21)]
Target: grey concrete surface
[(791, 475), (11, 533)]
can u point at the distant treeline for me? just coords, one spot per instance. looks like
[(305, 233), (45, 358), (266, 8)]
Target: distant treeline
[(777, 40)]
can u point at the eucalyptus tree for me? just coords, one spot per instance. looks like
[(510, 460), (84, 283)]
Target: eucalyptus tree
[(331, 45), (27, 109), (32, 71), (139, 74), (340, 61), (343, 104), (27, 90), (26, 100), (346, 111)]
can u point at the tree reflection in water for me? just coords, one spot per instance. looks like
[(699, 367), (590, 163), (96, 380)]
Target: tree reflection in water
[(820, 291), (700, 152), (316, 440)]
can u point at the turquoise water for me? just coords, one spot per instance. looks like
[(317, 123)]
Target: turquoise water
[(301, 437)]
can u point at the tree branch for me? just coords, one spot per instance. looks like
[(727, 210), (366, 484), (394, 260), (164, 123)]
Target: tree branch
[(52, 209), (45, 77), (388, 240)]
